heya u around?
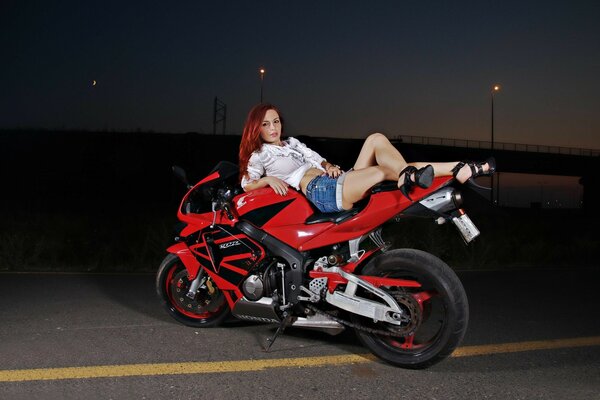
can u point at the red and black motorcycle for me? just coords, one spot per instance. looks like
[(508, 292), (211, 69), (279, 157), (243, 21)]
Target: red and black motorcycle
[(275, 259)]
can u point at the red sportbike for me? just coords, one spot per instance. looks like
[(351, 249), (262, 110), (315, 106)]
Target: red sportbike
[(275, 259)]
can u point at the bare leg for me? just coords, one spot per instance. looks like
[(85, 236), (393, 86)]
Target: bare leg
[(379, 161), (377, 150), (359, 182)]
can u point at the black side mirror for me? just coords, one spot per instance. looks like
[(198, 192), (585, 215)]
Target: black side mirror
[(181, 175)]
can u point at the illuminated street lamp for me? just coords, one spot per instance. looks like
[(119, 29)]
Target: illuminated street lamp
[(262, 78), (495, 88)]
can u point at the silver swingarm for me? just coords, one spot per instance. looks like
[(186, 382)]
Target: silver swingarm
[(388, 311)]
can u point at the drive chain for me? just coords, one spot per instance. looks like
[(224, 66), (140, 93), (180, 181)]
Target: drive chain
[(405, 332)]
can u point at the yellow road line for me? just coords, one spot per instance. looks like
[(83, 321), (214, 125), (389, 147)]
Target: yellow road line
[(468, 351), (177, 368), (108, 371)]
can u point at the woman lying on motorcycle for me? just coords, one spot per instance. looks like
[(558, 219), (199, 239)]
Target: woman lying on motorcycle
[(267, 160)]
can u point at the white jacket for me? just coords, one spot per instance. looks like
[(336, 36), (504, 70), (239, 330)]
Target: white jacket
[(288, 162)]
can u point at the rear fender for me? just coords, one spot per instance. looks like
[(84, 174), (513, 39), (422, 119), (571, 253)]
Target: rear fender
[(358, 265)]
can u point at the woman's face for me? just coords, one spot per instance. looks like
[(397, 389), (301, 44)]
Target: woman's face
[(270, 131)]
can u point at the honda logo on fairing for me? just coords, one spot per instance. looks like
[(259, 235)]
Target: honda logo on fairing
[(241, 202), (229, 244)]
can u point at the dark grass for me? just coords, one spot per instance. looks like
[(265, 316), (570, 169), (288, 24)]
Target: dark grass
[(510, 238), (106, 202), (137, 242), (79, 242)]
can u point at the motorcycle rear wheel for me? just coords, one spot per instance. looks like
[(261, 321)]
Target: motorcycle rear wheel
[(442, 310), (208, 308)]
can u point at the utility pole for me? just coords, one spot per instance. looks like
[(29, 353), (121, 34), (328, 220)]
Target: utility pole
[(495, 89), (219, 115)]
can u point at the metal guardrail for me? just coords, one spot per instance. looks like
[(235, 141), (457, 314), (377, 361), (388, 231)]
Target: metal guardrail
[(477, 144)]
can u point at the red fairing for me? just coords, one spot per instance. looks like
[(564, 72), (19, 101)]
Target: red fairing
[(381, 208), (209, 178), (296, 212), (290, 212), (287, 215), (197, 222), (186, 255)]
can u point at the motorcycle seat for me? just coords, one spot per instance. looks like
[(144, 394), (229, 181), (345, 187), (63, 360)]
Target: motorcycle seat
[(335, 217), (341, 216), (385, 186)]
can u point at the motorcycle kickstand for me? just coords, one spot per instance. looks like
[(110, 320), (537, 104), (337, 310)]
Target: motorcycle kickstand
[(282, 325)]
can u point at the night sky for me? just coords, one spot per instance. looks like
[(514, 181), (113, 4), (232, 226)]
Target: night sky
[(335, 68)]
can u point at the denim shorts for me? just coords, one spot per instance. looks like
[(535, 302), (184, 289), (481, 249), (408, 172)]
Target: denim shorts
[(326, 193)]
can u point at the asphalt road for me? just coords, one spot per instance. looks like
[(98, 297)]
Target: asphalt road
[(51, 321)]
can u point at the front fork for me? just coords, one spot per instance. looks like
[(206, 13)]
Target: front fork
[(196, 275), (196, 283)]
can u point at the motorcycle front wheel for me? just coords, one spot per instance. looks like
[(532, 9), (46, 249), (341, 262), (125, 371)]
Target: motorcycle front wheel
[(435, 315), (207, 308)]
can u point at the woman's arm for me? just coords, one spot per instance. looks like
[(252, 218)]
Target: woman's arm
[(254, 178), (279, 186)]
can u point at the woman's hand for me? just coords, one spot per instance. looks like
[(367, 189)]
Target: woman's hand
[(333, 171), (279, 186)]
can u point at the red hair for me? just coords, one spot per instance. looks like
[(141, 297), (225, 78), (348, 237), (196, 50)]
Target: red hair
[(251, 140)]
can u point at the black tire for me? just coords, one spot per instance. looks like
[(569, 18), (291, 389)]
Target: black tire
[(441, 321), (205, 310)]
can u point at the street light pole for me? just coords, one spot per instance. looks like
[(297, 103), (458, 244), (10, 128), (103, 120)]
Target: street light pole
[(262, 77), (495, 89)]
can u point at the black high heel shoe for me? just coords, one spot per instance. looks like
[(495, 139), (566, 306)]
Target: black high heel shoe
[(476, 171), (423, 178)]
